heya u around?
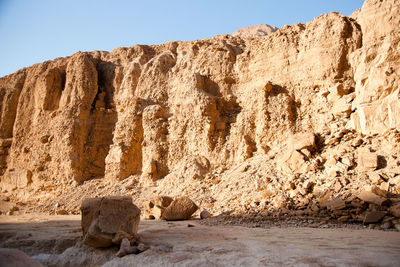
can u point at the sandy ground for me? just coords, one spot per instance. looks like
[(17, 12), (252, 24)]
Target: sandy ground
[(188, 243)]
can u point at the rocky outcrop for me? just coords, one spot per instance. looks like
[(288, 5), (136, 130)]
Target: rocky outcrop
[(311, 106), (376, 68), (254, 31), (146, 109)]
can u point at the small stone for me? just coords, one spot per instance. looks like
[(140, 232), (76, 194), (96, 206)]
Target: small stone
[(395, 210), (386, 225), (216, 181), (373, 216), (367, 161), (62, 212), (375, 177), (357, 142), (126, 249), (205, 214)]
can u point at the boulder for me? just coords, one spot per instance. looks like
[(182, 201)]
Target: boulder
[(374, 216), (372, 198), (10, 257), (180, 209), (156, 207), (109, 219)]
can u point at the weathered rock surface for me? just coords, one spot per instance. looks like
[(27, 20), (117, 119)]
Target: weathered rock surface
[(108, 220), (10, 257)]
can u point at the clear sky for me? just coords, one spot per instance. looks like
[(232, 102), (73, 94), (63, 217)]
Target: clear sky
[(33, 31)]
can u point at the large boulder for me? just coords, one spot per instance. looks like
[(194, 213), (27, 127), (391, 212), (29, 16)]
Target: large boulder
[(107, 220), (156, 206), (180, 209)]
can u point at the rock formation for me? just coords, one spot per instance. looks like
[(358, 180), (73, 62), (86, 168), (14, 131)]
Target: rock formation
[(308, 111), (108, 220), (255, 31)]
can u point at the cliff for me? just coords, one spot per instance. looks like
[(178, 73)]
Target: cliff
[(204, 116)]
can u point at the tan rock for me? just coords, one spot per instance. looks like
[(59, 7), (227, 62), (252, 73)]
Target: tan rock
[(335, 204), (370, 197), (17, 179), (342, 107), (377, 106), (255, 31), (395, 210), (292, 162), (156, 207), (373, 216), (205, 214), (62, 212), (375, 177), (367, 161), (105, 218), (180, 209), (6, 206), (302, 141)]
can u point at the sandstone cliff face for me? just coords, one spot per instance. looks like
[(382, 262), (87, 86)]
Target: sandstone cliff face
[(186, 109), (376, 68)]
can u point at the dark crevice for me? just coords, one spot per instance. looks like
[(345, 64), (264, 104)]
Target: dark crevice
[(63, 76)]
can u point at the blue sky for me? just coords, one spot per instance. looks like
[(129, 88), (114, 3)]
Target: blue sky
[(33, 31)]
